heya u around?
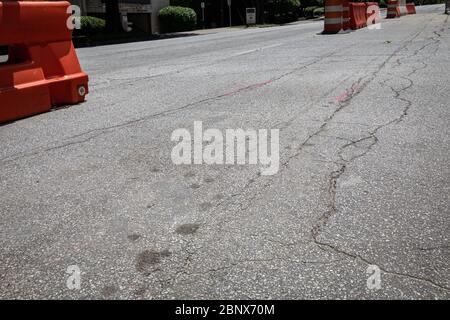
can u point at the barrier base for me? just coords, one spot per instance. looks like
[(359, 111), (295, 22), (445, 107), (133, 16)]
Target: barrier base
[(330, 32), (34, 99)]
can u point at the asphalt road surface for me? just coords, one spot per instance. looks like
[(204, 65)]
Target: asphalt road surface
[(363, 182)]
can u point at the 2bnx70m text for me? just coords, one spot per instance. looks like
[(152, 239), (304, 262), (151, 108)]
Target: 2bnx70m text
[(227, 309)]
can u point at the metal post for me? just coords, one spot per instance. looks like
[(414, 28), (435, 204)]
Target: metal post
[(203, 14), (229, 10)]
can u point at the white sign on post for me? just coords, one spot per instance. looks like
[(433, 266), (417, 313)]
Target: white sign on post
[(202, 4), (251, 15)]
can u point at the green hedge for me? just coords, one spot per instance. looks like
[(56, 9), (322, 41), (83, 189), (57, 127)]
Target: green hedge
[(287, 6), (284, 10), (91, 25), (318, 12), (174, 19), (309, 11)]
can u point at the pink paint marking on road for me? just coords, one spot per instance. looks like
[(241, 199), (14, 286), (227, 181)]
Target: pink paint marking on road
[(340, 98), (344, 96)]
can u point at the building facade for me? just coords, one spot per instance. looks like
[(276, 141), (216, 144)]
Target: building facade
[(142, 14), (216, 13)]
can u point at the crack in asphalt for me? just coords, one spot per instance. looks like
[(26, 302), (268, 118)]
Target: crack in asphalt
[(343, 162), (194, 65), (356, 88), (100, 131), (335, 175), (182, 272), (394, 273)]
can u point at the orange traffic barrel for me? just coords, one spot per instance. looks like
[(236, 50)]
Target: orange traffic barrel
[(411, 8), (402, 7), (393, 11), (345, 14), (333, 16)]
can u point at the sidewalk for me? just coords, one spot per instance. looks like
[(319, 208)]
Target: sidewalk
[(240, 27)]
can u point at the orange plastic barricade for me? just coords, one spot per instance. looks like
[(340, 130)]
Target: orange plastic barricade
[(357, 15), (345, 15), (411, 7), (333, 16), (42, 68), (393, 9)]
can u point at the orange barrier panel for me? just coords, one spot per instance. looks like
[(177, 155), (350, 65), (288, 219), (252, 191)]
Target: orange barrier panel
[(372, 13), (42, 68), (345, 15), (357, 15), (333, 16), (393, 9), (411, 7)]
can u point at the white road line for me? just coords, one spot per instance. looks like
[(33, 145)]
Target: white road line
[(254, 50)]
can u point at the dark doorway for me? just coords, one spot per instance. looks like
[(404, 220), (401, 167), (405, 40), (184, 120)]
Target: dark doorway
[(217, 12)]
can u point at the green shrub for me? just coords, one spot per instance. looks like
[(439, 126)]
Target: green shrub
[(318, 12), (291, 6), (383, 4), (284, 10), (286, 6), (309, 11), (174, 19), (91, 25)]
